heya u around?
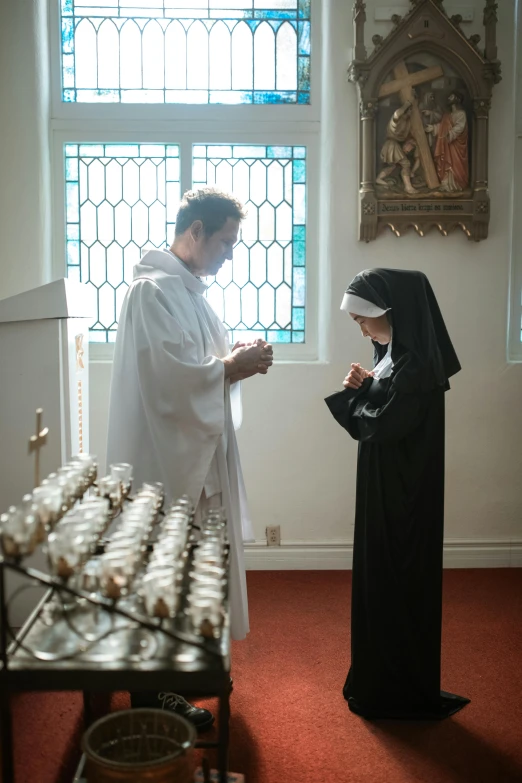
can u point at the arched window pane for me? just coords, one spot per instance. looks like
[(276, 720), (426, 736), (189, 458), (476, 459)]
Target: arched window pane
[(208, 51)]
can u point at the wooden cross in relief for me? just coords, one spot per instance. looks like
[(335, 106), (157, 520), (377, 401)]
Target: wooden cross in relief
[(36, 442), (403, 84)]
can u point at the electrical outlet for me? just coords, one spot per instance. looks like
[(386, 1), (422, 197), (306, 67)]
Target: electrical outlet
[(273, 536)]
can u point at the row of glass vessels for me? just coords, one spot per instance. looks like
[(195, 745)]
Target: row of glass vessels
[(207, 578), (162, 579), (73, 530), (25, 526), (126, 549), (59, 511)]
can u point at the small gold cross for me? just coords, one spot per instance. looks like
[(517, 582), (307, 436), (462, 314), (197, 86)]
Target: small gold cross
[(36, 442)]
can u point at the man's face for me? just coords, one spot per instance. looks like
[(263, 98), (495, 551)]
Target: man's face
[(452, 99), (211, 252)]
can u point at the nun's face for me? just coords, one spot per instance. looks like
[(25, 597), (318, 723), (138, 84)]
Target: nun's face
[(377, 329)]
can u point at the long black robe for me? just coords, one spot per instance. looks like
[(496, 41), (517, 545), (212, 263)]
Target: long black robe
[(399, 524)]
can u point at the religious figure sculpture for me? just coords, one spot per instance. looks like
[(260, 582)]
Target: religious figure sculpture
[(398, 146), (431, 114), (451, 150), (422, 90)]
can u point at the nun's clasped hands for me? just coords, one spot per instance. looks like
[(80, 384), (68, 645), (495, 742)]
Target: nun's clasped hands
[(356, 377)]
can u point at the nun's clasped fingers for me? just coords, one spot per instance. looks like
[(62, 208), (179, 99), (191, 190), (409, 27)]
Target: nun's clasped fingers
[(356, 377)]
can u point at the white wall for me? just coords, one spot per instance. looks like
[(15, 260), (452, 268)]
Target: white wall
[(299, 465)]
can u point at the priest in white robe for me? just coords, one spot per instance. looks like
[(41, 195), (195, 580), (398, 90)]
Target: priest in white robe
[(175, 393)]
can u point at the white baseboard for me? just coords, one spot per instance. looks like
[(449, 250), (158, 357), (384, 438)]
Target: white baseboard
[(337, 555)]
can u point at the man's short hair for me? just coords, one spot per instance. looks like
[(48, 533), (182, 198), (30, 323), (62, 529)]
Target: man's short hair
[(210, 205), (459, 96)]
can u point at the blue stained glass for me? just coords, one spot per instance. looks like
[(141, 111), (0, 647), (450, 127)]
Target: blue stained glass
[(303, 73), (298, 318), (298, 288), (260, 263), (299, 171), (68, 36), (279, 336), (219, 151), (279, 152), (96, 54), (304, 9), (199, 171), (298, 337), (73, 214), (262, 14), (123, 209), (97, 336), (152, 150), (172, 169), (68, 70), (257, 151), (274, 97), (73, 253), (299, 204), (69, 96), (71, 169), (303, 97), (92, 150), (299, 253), (73, 273), (98, 96), (230, 97), (304, 38), (121, 150)]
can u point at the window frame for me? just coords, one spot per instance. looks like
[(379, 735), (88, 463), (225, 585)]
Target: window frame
[(307, 351), (285, 113), (514, 347), (186, 125)]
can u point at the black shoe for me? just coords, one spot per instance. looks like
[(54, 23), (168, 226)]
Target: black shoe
[(173, 702)]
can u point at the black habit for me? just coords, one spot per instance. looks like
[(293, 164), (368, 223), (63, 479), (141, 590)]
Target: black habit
[(399, 514)]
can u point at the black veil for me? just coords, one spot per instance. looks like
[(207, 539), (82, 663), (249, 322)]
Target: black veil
[(422, 353)]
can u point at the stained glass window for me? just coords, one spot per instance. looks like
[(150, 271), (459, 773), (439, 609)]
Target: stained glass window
[(123, 198), (120, 199), (262, 293), (186, 51)]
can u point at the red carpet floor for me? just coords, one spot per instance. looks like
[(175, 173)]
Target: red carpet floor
[(290, 723)]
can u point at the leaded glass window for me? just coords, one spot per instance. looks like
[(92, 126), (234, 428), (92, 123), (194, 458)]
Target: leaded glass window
[(120, 200), (186, 51), (262, 293)]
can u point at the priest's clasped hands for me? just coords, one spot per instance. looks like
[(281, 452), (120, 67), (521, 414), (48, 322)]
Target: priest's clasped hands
[(248, 359), (356, 377)]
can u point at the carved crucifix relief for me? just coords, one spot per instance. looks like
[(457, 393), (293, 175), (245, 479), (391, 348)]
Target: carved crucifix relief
[(424, 139)]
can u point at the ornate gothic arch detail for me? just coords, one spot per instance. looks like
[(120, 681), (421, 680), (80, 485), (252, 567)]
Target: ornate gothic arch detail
[(424, 97)]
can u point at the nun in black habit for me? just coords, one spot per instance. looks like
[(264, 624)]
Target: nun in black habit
[(396, 412)]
